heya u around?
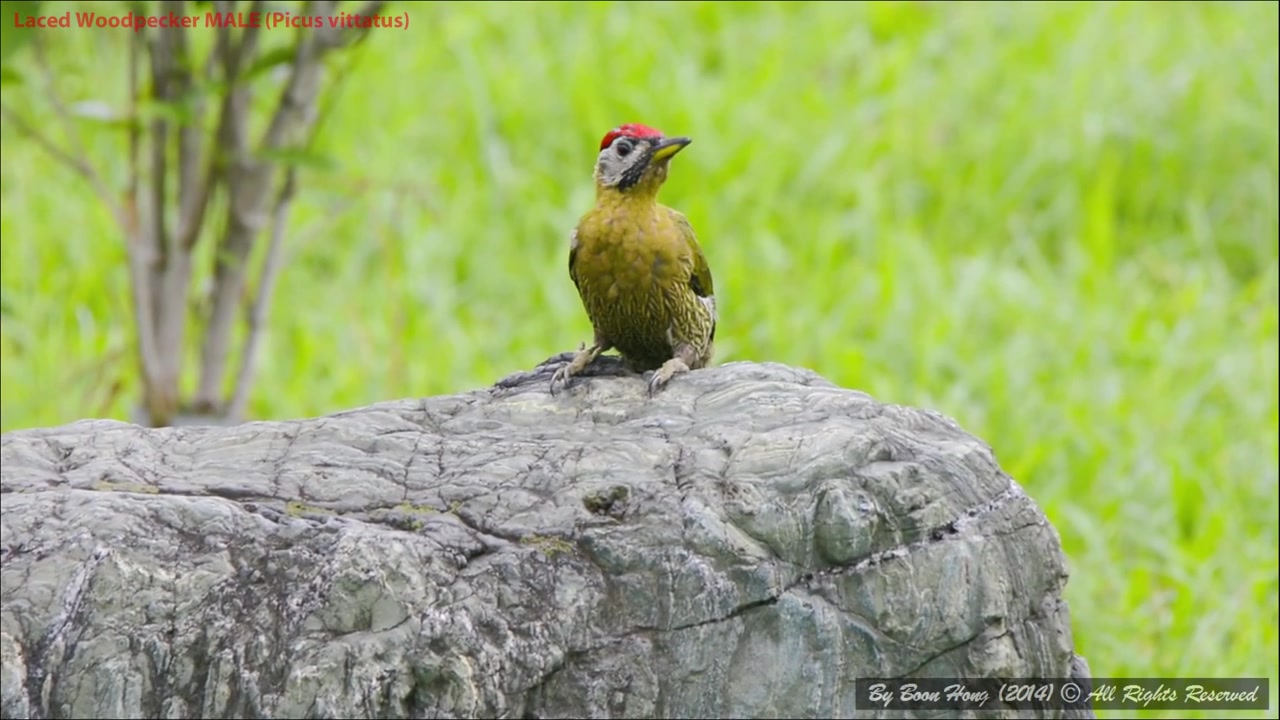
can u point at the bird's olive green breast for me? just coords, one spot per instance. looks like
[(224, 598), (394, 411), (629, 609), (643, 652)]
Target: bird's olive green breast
[(630, 268)]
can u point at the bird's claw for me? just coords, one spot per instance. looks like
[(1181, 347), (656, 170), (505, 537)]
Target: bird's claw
[(563, 376), (561, 379), (663, 375), (656, 383)]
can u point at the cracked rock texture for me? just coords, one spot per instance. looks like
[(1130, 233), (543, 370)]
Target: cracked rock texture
[(746, 544)]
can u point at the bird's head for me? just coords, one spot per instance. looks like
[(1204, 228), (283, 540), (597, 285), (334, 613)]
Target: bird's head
[(633, 158)]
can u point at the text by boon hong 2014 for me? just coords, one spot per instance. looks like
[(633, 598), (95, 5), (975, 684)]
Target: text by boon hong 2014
[(1064, 693)]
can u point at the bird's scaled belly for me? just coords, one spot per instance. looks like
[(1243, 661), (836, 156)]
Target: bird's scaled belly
[(635, 318)]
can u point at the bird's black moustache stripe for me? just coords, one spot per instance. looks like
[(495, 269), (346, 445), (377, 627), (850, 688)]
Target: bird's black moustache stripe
[(632, 175)]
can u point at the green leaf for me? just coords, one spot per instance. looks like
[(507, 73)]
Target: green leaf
[(271, 59), (179, 110), (9, 75)]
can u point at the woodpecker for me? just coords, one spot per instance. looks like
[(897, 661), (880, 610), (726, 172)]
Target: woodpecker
[(642, 278)]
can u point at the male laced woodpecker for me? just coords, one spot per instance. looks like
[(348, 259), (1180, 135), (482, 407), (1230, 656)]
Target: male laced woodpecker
[(640, 273)]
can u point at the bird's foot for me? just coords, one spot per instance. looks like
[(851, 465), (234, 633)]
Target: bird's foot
[(563, 376), (662, 375)]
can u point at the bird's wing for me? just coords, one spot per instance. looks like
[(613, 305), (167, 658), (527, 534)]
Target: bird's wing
[(700, 279), (573, 258)]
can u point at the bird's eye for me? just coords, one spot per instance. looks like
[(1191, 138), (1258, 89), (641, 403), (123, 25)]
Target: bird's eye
[(624, 147)]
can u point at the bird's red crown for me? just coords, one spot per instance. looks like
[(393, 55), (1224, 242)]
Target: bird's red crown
[(631, 130)]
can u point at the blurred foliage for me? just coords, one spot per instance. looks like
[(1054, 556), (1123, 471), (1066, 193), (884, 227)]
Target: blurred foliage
[(1055, 222), (186, 123), (12, 35)]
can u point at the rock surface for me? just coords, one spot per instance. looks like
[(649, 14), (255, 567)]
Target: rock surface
[(746, 544)]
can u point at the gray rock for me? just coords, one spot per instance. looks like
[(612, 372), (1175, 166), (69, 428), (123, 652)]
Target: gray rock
[(748, 543)]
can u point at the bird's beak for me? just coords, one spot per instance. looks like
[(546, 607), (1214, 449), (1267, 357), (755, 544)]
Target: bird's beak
[(667, 147)]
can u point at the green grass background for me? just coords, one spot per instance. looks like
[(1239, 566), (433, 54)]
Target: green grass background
[(1056, 223)]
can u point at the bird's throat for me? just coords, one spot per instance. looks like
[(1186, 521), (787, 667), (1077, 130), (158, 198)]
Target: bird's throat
[(633, 201)]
